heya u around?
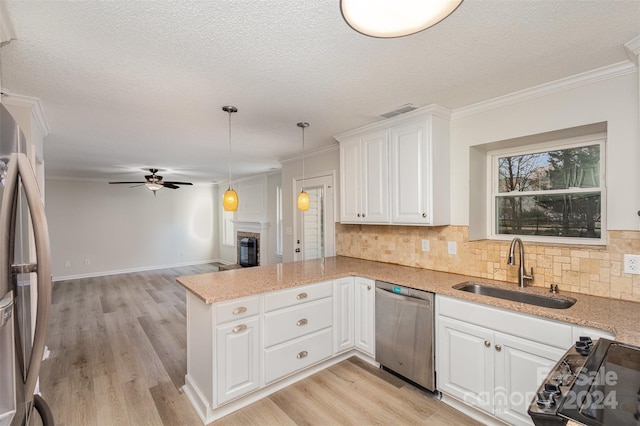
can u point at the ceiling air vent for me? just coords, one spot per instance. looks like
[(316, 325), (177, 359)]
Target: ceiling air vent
[(400, 110)]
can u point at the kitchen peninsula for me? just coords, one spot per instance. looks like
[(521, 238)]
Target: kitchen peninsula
[(242, 315)]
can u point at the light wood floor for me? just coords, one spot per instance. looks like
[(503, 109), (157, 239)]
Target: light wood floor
[(118, 357)]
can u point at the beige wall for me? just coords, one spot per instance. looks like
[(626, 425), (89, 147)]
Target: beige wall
[(121, 229)]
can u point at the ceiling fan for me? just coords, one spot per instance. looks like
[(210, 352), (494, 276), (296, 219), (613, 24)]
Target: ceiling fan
[(154, 182)]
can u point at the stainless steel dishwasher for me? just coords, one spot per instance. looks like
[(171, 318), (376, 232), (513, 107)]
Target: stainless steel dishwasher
[(405, 332)]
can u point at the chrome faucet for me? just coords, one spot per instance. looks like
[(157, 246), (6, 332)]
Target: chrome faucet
[(511, 261)]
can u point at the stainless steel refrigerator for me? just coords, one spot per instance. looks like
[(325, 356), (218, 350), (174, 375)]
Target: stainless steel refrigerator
[(25, 281)]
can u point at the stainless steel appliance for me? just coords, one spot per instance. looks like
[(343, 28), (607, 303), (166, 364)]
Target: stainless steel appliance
[(593, 385), (405, 332), (25, 280)]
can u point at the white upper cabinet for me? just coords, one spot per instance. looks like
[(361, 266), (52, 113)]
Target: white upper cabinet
[(397, 171), (420, 172), (364, 172)]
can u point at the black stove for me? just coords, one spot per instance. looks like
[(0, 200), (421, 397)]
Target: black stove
[(593, 384)]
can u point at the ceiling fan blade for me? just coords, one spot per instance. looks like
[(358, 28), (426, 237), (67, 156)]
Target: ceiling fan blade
[(169, 185), (135, 186), (178, 183), (127, 183)]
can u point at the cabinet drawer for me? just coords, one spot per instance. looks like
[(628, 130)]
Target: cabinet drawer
[(237, 309), (295, 355), (297, 321), (296, 295)]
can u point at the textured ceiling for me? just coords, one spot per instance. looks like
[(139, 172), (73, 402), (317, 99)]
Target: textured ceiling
[(132, 84)]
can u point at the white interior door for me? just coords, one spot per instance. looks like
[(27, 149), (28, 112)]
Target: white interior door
[(314, 233)]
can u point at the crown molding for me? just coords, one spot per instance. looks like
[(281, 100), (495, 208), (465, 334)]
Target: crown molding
[(633, 50), (574, 81), (433, 109), (310, 154), (34, 105)]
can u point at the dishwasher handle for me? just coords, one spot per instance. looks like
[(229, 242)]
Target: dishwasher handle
[(386, 293)]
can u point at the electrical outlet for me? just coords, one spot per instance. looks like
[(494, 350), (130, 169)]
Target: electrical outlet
[(425, 245), (67, 264), (87, 261), (632, 264), (452, 247)]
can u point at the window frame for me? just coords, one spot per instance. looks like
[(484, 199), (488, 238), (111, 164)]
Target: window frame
[(493, 188)]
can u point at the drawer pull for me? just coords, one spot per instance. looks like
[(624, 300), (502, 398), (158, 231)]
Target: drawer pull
[(239, 328), (239, 310), (302, 296), (302, 354), (302, 322)]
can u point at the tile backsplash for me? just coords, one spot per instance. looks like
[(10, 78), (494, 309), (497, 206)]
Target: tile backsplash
[(594, 270)]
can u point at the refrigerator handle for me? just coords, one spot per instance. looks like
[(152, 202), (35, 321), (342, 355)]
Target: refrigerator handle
[(19, 165)]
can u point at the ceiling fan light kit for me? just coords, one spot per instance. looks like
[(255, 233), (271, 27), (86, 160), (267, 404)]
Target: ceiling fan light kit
[(395, 18), (230, 198), (303, 197)]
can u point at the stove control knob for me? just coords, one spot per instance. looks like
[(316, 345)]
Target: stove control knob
[(551, 388), (586, 339), (546, 400), (584, 345)]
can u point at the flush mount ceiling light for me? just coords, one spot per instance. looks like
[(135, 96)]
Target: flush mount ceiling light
[(395, 18), (303, 197), (230, 199)]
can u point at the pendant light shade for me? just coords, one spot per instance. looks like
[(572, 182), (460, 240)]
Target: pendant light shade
[(230, 199), (303, 197), (395, 18)]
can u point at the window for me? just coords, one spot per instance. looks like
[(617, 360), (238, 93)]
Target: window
[(228, 234), (553, 193)]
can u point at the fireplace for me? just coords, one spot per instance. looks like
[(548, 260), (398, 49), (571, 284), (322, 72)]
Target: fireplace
[(248, 251)]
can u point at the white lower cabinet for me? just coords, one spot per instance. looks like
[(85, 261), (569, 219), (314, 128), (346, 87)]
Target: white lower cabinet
[(365, 303), (482, 362), (237, 358)]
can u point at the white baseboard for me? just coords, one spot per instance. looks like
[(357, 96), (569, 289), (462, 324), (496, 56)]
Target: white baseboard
[(130, 270)]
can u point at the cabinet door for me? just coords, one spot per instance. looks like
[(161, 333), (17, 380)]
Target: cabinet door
[(465, 362), (237, 359), (520, 367), (410, 174), (343, 305), (375, 178), (365, 315), (350, 181)]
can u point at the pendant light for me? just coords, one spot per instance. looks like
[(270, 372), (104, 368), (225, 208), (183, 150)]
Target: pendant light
[(395, 18), (303, 197), (230, 199)]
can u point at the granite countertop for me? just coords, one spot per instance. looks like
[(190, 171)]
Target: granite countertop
[(622, 318)]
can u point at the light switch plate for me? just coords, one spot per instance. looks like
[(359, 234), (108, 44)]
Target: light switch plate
[(632, 264), (452, 247), (425, 245)]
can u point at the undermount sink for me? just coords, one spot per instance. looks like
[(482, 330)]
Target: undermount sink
[(554, 302)]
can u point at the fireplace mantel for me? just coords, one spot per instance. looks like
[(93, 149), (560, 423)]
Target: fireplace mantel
[(259, 227)]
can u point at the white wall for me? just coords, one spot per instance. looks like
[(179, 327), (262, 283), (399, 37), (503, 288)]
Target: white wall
[(324, 161), (614, 101), (119, 229)]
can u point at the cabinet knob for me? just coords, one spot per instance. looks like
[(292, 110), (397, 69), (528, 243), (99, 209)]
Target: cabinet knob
[(368, 287), (239, 328), (498, 348), (487, 343), (239, 310), (358, 214), (424, 215), (302, 354), (363, 215), (302, 322), (302, 296)]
